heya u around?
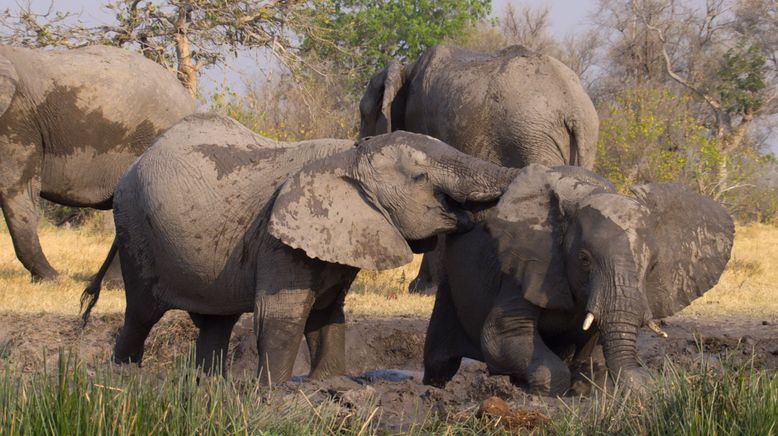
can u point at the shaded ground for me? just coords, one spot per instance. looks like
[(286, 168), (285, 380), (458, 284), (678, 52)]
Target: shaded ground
[(383, 355)]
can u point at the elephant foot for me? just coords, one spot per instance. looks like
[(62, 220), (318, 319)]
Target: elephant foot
[(436, 382), (44, 275), (422, 286), (550, 379)]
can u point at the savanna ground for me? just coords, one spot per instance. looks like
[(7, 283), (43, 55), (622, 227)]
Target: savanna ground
[(716, 373)]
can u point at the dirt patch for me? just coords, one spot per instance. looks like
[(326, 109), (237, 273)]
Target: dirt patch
[(384, 359)]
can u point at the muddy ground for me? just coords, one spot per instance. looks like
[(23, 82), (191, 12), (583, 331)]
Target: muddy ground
[(384, 358)]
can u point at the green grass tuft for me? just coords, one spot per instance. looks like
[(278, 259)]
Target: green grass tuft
[(714, 397)]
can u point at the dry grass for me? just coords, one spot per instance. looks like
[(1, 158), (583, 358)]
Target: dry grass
[(749, 286)]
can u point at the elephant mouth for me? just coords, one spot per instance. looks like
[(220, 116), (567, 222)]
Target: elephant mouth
[(457, 212)]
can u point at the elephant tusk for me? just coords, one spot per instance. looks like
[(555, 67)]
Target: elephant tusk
[(654, 327), (588, 321)]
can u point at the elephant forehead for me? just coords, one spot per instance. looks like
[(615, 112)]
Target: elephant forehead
[(623, 215), (625, 212)]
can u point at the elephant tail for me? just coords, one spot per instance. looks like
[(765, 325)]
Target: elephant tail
[(92, 292)]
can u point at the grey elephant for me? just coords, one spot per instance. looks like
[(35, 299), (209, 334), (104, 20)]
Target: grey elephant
[(218, 221), (512, 108), (71, 122), (562, 262)]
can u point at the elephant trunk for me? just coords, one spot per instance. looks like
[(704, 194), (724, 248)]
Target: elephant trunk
[(617, 311), (619, 342), (468, 179)]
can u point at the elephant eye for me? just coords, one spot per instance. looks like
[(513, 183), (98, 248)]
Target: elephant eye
[(419, 178), (584, 258)]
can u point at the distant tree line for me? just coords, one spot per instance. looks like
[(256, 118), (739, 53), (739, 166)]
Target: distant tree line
[(686, 91)]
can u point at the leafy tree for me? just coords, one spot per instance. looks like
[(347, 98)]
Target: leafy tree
[(361, 36), (741, 83)]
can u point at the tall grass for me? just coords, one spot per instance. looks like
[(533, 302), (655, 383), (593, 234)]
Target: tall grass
[(128, 401), (714, 397), (710, 398)]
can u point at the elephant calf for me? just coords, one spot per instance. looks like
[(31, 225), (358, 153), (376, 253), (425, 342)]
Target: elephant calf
[(563, 261), (218, 221)]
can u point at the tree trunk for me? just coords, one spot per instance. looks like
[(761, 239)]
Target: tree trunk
[(187, 71), (730, 140)]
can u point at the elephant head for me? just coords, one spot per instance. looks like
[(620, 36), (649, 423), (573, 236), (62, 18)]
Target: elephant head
[(572, 243), (375, 107), (363, 206)]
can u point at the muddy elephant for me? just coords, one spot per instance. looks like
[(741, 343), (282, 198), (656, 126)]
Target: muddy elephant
[(563, 261), (512, 108), (71, 122), (218, 221)]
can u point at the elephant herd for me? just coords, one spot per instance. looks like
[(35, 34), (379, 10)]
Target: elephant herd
[(483, 161)]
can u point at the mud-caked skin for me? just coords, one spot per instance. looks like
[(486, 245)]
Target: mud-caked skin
[(513, 108), (562, 262), (218, 221), (71, 122)]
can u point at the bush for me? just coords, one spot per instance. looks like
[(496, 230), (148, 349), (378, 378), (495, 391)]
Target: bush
[(650, 135), (290, 110)]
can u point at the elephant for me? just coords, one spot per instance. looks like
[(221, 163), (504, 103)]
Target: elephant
[(71, 122), (219, 221), (563, 262), (512, 108)]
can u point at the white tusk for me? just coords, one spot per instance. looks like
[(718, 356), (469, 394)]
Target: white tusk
[(654, 327), (588, 321)]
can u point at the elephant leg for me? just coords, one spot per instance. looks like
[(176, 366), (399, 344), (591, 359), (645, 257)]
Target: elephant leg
[(279, 322), (213, 340), (21, 215), (143, 310), (325, 334), (430, 271), (512, 345), (138, 321), (446, 342)]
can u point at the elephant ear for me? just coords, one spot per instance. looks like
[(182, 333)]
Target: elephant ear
[(8, 82), (693, 236), (322, 212), (375, 107), (527, 229)]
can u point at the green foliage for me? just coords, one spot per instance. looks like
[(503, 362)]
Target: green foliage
[(361, 36), (650, 135), (741, 80)]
